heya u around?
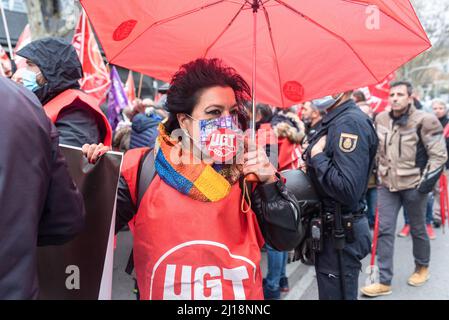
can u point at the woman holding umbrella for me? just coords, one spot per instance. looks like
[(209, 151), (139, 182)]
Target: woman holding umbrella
[(196, 235)]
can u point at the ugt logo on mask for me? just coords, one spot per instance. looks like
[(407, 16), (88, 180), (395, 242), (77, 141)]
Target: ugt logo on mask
[(222, 144)]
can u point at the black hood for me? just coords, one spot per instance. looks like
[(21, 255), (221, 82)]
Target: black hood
[(59, 63)]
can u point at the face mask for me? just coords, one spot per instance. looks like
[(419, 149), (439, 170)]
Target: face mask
[(29, 80), (326, 102), (218, 138)]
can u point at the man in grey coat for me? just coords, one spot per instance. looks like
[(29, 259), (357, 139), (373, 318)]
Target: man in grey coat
[(39, 203)]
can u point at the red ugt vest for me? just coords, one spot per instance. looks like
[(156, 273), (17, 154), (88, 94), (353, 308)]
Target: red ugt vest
[(193, 250), (77, 97)]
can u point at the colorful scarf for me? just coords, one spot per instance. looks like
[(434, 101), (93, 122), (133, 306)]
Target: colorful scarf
[(199, 181)]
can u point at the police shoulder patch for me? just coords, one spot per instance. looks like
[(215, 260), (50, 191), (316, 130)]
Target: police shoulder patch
[(348, 142)]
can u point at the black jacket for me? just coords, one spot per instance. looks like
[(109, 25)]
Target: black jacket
[(39, 203), (61, 67), (340, 173), (444, 122), (276, 209)]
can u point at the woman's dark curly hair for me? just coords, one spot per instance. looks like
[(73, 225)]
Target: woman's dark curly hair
[(193, 78)]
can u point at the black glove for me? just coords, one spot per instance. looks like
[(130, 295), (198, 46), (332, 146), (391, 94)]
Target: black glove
[(429, 180)]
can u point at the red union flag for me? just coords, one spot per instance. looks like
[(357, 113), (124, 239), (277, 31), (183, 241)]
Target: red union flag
[(5, 63), (130, 88), (377, 95), (96, 80)]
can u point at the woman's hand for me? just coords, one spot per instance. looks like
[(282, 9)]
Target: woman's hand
[(94, 151), (257, 162)]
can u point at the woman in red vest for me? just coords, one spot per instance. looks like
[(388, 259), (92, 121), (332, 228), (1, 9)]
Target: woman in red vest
[(195, 234)]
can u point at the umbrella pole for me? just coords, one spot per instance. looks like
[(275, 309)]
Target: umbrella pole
[(251, 177), (5, 25), (253, 93)]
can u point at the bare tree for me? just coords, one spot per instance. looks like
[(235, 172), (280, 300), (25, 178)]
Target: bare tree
[(431, 66), (52, 17)]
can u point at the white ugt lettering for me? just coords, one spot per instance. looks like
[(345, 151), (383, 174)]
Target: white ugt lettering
[(169, 283), (237, 275), (214, 284)]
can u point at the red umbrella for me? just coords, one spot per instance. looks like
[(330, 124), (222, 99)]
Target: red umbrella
[(305, 49)]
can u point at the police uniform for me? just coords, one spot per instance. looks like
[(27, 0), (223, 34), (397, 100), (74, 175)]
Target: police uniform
[(340, 176)]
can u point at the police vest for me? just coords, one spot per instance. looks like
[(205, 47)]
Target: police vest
[(79, 98), (192, 250)]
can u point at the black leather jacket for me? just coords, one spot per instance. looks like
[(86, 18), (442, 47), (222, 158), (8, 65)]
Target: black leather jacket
[(276, 209)]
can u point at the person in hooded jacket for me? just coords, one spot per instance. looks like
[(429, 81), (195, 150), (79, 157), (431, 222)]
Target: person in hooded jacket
[(53, 72)]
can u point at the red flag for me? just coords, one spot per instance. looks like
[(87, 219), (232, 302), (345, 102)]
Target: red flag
[(130, 88), (443, 198), (5, 63), (377, 95), (96, 80), (24, 39)]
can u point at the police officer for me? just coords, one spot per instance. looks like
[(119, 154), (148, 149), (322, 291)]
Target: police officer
[(339, 160)]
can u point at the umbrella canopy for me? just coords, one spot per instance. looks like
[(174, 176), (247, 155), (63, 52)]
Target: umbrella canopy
[(305, 49)]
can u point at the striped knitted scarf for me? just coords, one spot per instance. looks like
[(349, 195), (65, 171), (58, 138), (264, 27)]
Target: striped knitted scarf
[(199, 181)]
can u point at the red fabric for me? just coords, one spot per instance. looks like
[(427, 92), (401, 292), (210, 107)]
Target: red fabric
[(5, 63), (130, 88), (289, 154), (69, 97), (130, 168), (191, 249), (446, 131), (305, 49), (443, 198), (377, 94), (96, 81)]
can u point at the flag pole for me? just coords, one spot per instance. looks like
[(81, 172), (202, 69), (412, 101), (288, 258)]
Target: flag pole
[(83, 35), (5, 25), (140, 86)]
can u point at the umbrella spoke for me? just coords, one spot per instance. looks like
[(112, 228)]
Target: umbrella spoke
[(224, 30), (235, 2), (267, 18), (402, 23), (332, 33), (166, 20)]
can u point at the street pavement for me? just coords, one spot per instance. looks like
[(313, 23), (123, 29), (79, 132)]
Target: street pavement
[(437, 288)]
